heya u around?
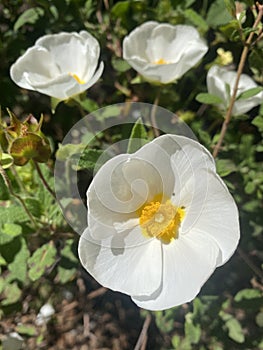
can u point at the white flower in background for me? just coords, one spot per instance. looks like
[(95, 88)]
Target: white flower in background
[(162, 52), (160, 221), (221, 81), (59, 65), (45, 314)]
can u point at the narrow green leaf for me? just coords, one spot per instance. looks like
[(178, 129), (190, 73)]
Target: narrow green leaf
[(247, 294), (258, 122), (225, 167), (235, 331), (208, 98), (196, 19), (26, 330), (249, 93), (92, 158), (29, 16), (41, 260), (138, 137), (18, 267), (231, 7)]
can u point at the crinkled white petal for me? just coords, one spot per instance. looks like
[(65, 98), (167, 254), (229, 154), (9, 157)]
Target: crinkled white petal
[(35, 65), (133, 270), (134, 43), (187, 264)]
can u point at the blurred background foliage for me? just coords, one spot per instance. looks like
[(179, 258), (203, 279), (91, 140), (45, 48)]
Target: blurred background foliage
[(38, 258)]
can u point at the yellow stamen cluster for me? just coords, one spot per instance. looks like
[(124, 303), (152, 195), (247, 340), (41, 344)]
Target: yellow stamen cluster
[(161, 61), (161, 220)]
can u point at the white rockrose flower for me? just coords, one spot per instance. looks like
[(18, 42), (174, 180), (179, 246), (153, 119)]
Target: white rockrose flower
[(220, 82), (59, 65), (159, 222), (162, 52)]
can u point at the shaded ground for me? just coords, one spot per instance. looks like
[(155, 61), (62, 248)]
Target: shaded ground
[(87, 317)]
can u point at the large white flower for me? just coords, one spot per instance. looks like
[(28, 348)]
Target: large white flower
[(162, 52), (221, 81), (59, 65), (160, 221)]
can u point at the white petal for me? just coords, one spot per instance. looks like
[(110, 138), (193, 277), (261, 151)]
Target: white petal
[(134, 270), (187, 264), (134, 43), (37, 65), (213, 211), (216, 86)]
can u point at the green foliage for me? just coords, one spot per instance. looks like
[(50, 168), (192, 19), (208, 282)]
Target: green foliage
[(43, 258), (138, 137), (208, 98)]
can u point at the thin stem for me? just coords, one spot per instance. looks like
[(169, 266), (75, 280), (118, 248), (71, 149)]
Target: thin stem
[(153, 113), (18, 180), (141, 342), (44, 180), (9, 186), (239, 72)]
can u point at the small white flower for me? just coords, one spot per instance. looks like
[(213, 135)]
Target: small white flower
[(59, 65), (162, 52), (221, 81), (160, 221), (45, 314)]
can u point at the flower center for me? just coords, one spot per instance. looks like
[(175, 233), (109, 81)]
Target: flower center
[(77, 78), (161, 61), (161, 220)]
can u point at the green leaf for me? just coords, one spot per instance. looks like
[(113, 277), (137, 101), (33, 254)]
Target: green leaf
[(8, 232), (88, 104), (12, 214), (249, 93), (259, 319), (29, 16), (11, 294), (192, 331), (54, 102), (208, 98), (34, 206), (18, 267), (258, 122), (43, 258), (196, 19), (138, 137), (225, 167), (217, 14), (247, 294), (64, 152), (92, 158), (6, 160), (119, 64), (235, 331), (231, 7), (26, 330)]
